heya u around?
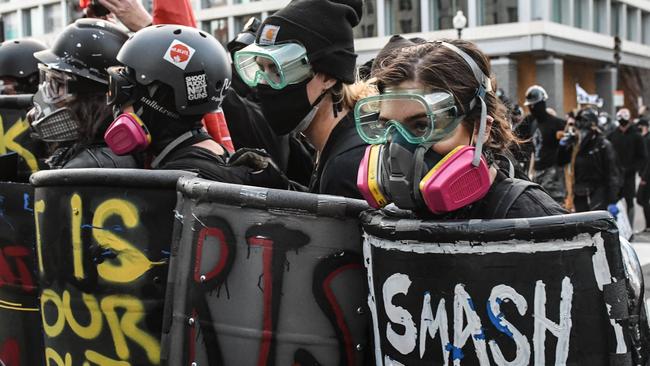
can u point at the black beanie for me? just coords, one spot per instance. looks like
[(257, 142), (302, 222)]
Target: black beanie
[(324, 28), (394, 44)]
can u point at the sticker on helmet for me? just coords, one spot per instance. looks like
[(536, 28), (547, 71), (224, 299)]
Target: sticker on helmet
[(196, 85), (269, 34), (179, 54)]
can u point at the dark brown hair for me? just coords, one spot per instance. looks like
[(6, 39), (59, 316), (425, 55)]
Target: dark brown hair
[(438, 67)]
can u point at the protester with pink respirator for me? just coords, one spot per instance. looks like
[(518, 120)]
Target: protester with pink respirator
[(439, 137), (160, 97)]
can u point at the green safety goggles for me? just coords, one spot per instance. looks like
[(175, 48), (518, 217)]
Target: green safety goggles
[(277, 65), (419, 117)]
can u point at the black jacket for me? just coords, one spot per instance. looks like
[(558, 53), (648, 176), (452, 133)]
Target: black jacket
[(645, 174), (629, 148), (214, 167), (541, 135), (531, 201), (596, 167), (336, 172), (94, 156)]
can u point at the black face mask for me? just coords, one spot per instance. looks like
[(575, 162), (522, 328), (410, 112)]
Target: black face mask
[(623, 122), (538, 109), (284, 109)]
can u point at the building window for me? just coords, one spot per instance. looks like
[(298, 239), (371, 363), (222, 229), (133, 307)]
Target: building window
[(240, 21), (218, 28), (368, 25), (402, 16), (600, 11), (52, 17), (581, 14), (616, 20), (632, 24), (498, 11), (28, 15), (443, 12), (645, 26), (10, 25), (212, 3), (562, 11)]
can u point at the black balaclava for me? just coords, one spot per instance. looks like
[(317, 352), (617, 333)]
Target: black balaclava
[(539, 109), (156, 110)]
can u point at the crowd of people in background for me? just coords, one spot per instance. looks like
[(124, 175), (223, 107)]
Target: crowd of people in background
[(588, 160)]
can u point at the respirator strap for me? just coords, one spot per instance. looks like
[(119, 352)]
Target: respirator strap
[(418, 172), (174, 144), (481, 134)]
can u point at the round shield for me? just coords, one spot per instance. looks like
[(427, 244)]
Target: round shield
[(541, 291), (265, 277)]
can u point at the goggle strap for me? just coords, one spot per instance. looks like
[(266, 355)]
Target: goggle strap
[(478, 151), (482, 79)]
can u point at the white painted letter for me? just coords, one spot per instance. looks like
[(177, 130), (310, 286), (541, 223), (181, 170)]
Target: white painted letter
[(562, 330), (463, 305), (429, 324), (404, 343), (498, 295)]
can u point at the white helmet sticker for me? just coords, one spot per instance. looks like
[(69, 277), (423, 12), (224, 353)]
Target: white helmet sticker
[(179, 54)]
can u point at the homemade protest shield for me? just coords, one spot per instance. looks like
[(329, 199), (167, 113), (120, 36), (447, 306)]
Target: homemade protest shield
[(21, 342), (542, 291), (15, 137), (103, 241), (265, 277)]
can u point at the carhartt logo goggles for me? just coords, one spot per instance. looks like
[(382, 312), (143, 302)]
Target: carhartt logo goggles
[(276, 65), (418, 116)]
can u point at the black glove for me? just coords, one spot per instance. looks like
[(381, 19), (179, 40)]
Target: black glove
[(262, 170)]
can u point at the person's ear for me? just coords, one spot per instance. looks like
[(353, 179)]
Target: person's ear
[(488, 128), (326, 81)]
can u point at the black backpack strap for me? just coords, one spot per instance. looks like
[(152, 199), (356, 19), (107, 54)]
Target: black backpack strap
[(504, 196)]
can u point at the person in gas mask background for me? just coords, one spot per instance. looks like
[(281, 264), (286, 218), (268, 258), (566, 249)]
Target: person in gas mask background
[(19, 75), (542, 131), (159, 104), (629, 147), (434, 132), (70, 111), (303, 71), (596, 177)]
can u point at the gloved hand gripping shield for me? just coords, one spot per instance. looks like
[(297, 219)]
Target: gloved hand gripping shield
[(277, 65)]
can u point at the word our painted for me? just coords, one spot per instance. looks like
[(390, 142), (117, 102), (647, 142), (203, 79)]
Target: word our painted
[(101, 301)]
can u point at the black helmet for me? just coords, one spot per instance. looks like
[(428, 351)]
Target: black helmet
[(535, 94), (245, 37), (17, 58), (86, 48), (587, 118), (190, 61)]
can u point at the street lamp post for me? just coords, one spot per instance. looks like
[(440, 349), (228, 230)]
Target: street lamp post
[(460, 22)]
